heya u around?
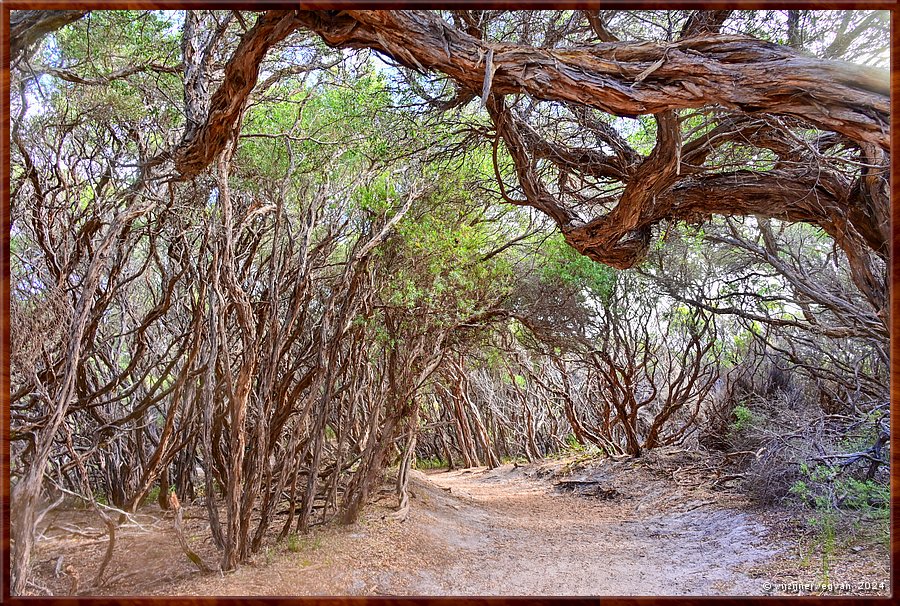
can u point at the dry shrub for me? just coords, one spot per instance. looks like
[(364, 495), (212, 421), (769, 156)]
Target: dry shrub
[(39, 319), (775, 466), (772, 419)]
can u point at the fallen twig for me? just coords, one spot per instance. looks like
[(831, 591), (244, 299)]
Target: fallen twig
[(75, 531), (179, 532), (39, 587)]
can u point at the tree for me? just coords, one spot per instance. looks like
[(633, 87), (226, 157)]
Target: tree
[(654, 364), (748, 79)]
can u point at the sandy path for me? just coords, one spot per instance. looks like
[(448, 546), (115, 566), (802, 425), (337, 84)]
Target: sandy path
[(509, 534), (506, 531)]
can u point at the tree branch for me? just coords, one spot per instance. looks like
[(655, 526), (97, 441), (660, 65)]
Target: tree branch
[(733, 71)]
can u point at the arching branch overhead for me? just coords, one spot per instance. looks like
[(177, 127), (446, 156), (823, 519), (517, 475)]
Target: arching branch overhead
[(702, 68), (252, 267), (740, 74), (627, 78)]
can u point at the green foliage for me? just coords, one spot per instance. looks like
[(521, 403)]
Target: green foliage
[(801, 489), (836, 497), (640, 133), (562, 263), (518, 460), (866, 496), (100, 497), (824, 525), (433, 462), (862, 436), (494, 359), (377, 197), (338, 130), (743, 419), (109, 37), (106, 41), (151, 496), (441, 268), (573, 443)]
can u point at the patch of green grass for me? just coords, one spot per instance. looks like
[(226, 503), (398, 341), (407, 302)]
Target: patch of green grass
[(293, 543), (297, 544), (578, 456), (573, 443), (430, 463), (805, 557), (824, 523), (520, 460), (153, 495)]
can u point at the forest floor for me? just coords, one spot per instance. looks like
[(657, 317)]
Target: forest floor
[(651, 526)]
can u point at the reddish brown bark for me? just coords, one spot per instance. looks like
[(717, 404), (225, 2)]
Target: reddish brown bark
[(627, 78), (201, 145)]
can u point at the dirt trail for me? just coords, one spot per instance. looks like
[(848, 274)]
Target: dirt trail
[(513, 535), (509, 531)]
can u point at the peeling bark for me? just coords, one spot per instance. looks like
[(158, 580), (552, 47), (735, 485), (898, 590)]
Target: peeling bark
[(201, 145), (732, 71), (738, 73)]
